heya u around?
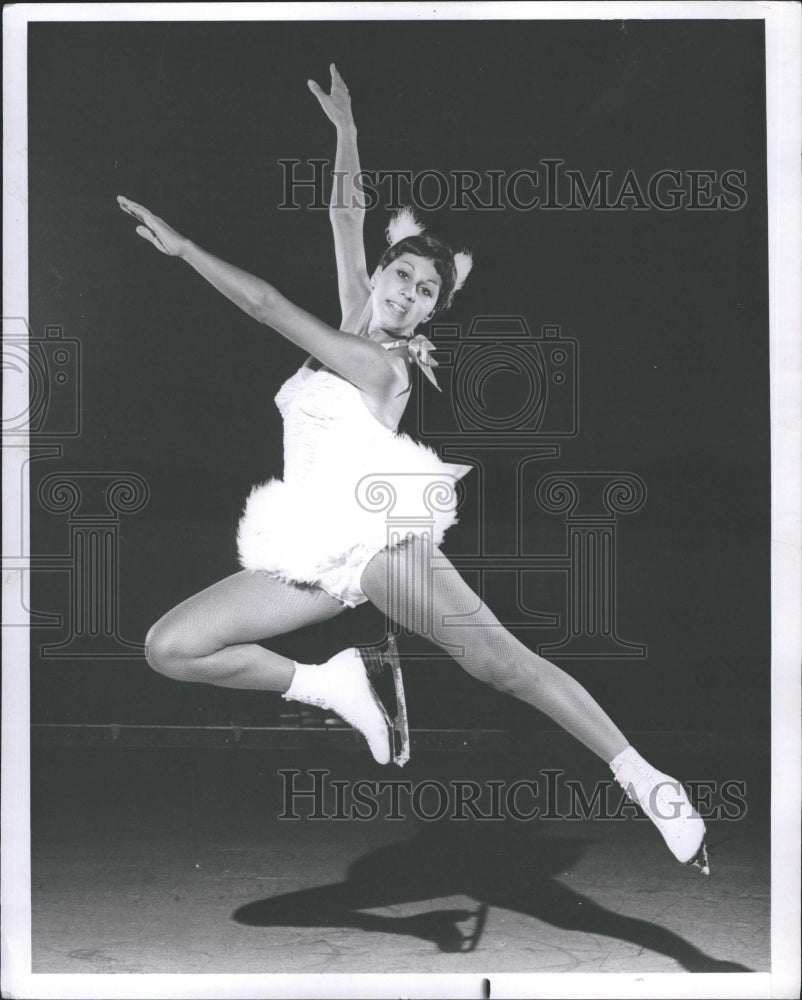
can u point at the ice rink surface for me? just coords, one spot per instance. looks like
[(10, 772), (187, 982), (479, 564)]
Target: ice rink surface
[(177, 860)]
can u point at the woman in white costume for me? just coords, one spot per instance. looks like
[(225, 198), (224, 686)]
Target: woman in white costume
[(309, 548)]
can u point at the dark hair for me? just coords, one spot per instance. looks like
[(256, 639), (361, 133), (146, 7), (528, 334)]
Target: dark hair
[(435, 250)]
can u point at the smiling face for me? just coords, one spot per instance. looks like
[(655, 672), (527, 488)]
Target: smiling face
[(404, 294)]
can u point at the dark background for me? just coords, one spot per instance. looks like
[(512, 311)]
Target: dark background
[(670, 310)]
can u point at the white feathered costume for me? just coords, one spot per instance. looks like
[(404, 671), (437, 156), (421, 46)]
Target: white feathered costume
[(351, 487)]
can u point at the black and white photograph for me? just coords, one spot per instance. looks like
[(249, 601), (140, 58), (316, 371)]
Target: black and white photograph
[(401, 482)]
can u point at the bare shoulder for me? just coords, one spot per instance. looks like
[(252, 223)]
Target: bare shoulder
[(388, 406), (400, 362), (396, 377)]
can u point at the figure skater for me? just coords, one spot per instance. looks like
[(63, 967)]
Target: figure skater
[(309, 548)]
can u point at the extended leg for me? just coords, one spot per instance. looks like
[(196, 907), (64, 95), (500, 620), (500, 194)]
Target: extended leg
[(440, 605), (417, 586)]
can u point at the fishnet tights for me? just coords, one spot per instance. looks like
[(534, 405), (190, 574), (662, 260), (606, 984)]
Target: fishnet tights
[(211, 637), (417, 587)]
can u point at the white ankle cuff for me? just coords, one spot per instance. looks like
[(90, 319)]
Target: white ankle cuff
[(313, 684), (341, 685), (629, 755)]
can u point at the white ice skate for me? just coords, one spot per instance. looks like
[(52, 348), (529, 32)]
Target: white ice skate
[(362, 685), (667, 805)]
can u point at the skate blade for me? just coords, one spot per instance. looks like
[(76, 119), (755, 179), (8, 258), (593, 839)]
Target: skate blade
[(700, 860), (383, 667)]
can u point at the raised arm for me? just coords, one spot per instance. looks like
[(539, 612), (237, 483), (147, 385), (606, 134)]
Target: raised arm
[(359, 360), (347, 208)]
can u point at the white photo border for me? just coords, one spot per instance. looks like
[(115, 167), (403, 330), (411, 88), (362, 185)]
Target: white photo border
[(784, 103)]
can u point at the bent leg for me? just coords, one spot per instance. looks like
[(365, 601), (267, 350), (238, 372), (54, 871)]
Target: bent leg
[(416, 586), (212, 637)]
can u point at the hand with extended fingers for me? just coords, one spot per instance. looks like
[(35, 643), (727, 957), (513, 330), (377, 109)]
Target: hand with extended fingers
[(337, 104), (153, 229)]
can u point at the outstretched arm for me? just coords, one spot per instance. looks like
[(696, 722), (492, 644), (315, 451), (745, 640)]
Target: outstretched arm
[(357, 359), (347, 207)]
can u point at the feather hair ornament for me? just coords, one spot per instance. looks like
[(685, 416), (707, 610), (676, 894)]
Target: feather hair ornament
[(463, 262), (405, 224), (402, 225)]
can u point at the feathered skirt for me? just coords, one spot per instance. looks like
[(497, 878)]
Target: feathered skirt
[(323, 527)]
